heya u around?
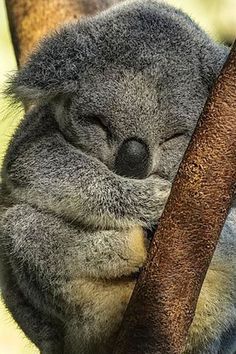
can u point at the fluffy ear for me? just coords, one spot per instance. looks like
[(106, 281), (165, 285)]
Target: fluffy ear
[(53, 68)]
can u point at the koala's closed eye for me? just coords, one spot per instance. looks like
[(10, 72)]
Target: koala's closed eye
[(101, 122), (173, 136)]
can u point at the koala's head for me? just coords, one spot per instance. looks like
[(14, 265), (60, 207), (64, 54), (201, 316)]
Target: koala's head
[(125, 86)]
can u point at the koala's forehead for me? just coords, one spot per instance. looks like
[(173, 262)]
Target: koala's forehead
[(116, 89), (139, 103)]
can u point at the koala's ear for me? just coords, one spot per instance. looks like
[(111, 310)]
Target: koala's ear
[(53, 68)]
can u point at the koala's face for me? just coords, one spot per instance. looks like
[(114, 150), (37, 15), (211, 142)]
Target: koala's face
[(133, 123), (126, 86)]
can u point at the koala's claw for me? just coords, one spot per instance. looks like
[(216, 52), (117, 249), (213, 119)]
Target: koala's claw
[(149, 232)]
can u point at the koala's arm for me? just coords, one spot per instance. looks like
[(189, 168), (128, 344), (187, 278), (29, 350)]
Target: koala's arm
[(55, 250), (47, 171)]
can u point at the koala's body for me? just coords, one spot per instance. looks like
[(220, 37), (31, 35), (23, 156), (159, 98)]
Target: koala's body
[(114, 100)]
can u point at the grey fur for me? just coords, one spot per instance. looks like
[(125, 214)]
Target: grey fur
[(71, 239)]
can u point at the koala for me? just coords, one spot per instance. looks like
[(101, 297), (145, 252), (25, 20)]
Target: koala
[(112, 103)]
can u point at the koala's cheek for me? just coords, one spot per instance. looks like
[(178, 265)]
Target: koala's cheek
[(138, 245)]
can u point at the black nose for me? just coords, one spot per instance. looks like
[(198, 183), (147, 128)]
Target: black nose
[(132, 159)]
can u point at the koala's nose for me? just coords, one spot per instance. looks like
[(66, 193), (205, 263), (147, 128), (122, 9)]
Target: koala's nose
[(132, 159)]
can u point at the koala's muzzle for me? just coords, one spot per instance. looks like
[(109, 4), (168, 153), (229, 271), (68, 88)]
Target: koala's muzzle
[(132, 159)]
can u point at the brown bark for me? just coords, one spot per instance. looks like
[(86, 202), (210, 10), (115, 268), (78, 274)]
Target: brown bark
[(164, 301), (30, 20)]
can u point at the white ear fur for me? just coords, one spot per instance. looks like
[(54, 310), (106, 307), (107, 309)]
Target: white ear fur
[(29, 95)]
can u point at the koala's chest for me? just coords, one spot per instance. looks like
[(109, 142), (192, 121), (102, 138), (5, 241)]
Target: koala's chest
[(96, 308)]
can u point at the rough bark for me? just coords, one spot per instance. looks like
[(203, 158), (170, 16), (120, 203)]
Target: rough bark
[(164, 301), (30, 20)]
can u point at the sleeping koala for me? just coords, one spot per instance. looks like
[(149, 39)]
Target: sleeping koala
[(113, 102)]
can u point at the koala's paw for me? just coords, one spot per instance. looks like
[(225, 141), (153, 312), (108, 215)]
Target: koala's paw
[(153, 195), (119, 253), (136, 250)]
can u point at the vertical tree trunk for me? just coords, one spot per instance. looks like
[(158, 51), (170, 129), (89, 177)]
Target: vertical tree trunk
[(163, 303)]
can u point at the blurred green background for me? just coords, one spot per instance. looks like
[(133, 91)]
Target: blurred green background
[(217, 17)]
